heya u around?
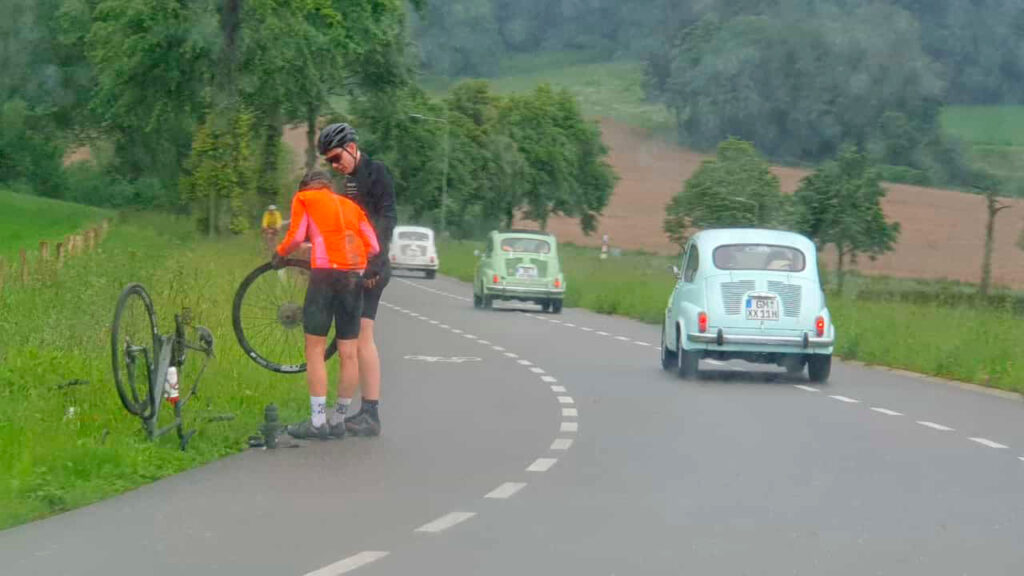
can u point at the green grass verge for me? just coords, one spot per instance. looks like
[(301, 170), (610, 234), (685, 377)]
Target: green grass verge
[(59, 330), (981, 346), (26, 220), (604, 89)]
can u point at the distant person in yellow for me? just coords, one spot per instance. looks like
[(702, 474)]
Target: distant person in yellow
[(271, 226)]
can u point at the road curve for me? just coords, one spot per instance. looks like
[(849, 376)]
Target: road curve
[(520, 442)]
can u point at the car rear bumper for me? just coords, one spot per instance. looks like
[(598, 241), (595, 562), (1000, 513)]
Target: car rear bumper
[(523, 292), (719, 338), (399, 265)]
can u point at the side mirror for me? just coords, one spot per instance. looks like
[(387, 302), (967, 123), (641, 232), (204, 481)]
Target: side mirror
[(675, 271)]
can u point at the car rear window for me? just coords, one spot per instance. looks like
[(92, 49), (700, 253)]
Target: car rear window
[(414, 236), (759, 257), (531, 245)]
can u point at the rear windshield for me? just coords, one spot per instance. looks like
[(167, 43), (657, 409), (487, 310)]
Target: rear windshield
[(759, 257), (531, 245), (414, 236)]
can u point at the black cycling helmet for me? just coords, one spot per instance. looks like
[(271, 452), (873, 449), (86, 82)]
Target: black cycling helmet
[(335, 136)]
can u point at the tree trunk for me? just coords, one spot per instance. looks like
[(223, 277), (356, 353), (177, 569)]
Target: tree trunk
[(992, 203), (840, 275), (212, 214), (267, 184), (311, 114)]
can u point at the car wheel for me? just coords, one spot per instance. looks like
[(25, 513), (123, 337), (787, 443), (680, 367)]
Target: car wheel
[(488, 301), (477, 302), (668, 357), (546, 305), (686, 361), (556, 306), (431, 274), (819, 367)]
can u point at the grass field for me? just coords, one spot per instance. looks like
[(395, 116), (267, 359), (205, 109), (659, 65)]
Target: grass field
[(59, 331), (995, 137), (981, 346), (26, 220), (604, 89)]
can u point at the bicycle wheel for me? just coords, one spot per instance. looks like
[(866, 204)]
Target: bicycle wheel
[(267, 317), (133, 340)]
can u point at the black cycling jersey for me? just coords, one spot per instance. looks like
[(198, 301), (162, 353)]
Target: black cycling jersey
[(371, 186)]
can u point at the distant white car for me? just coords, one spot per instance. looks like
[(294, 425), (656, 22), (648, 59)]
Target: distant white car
[(412, 248)]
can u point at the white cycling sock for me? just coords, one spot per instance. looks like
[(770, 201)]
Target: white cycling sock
[(318, 410), (340, 410)]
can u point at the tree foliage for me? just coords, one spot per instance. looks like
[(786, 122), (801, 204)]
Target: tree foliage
[(840, 204), (734, 189)]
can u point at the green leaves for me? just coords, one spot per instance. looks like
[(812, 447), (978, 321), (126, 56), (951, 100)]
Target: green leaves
[(735, 189), (840, 204)]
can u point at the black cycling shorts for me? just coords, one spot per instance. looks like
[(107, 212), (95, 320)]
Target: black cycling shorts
[(333, 297), (371, 296)]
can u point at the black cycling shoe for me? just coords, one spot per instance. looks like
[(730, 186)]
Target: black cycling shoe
[(337, 431), (305, 430), (363, 424)]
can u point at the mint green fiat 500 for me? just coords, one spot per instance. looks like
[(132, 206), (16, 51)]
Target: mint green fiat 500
[(751, 295), (519, 265)]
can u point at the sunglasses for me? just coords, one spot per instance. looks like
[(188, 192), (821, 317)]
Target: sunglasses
[(333, 159)]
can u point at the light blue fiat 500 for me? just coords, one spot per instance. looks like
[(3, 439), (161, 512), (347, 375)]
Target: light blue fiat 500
[(752, 295)]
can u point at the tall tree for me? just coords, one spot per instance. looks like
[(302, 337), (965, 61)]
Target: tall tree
[(735, 189), (840, 204)]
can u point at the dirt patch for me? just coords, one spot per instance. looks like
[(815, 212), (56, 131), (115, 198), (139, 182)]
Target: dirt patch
[(943, 230)]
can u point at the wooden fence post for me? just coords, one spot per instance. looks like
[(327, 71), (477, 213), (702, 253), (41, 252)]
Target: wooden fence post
[(44, 251), (24, 266), (60, 254), (90, 240)]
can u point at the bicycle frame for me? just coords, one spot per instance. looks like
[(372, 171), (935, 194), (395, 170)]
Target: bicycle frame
[(171, 352)]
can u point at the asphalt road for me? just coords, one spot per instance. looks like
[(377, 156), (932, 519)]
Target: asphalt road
[(517, 442)]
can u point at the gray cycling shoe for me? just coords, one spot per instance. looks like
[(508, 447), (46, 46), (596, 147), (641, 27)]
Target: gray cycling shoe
[(305, 430), (363, 424)]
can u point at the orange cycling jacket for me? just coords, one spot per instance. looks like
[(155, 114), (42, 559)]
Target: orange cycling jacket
[(342, 236)]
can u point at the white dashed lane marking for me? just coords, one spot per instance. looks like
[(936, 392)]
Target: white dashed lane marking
[(548, 379), (887, 412), (569, 427), (506, 490), (845, 399), (570, 412), (536, 370), (807, 388), (558, 388), (565, 400), (566, 443), (542, 464), (989, 443), (525, 362), (935, 426), (349, 564), (511, 355), (445, 522)]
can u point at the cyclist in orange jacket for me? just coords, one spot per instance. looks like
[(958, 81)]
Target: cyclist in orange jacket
[(343, 241)]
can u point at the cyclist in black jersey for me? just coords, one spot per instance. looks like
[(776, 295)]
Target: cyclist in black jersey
[(369, 184)]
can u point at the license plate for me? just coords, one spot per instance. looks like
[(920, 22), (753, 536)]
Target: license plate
[(762, 308), (526, 272)]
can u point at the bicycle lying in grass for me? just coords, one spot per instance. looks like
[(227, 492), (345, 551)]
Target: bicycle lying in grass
[(148, 365)]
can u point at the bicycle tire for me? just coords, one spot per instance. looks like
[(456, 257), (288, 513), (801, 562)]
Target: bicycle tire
[(264, 357), (126, 382)]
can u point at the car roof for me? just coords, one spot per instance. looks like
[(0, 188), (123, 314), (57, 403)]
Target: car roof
[(708, 239), (413, 229), (523, 232)]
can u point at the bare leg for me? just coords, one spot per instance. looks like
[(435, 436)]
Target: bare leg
[(349, 373), (369, 361), (316, 368)]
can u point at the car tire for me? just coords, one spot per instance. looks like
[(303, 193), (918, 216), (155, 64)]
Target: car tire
[(431, 274), (546, 306), (819, 367), (556, 306), (488, 301), (478, 301), (668, 357), (686, 362)]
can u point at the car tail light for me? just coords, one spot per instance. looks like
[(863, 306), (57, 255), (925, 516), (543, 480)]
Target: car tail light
[(819, 326), (558, 283), (702, 322), (495, 279), (393, 258), (431, 259)]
